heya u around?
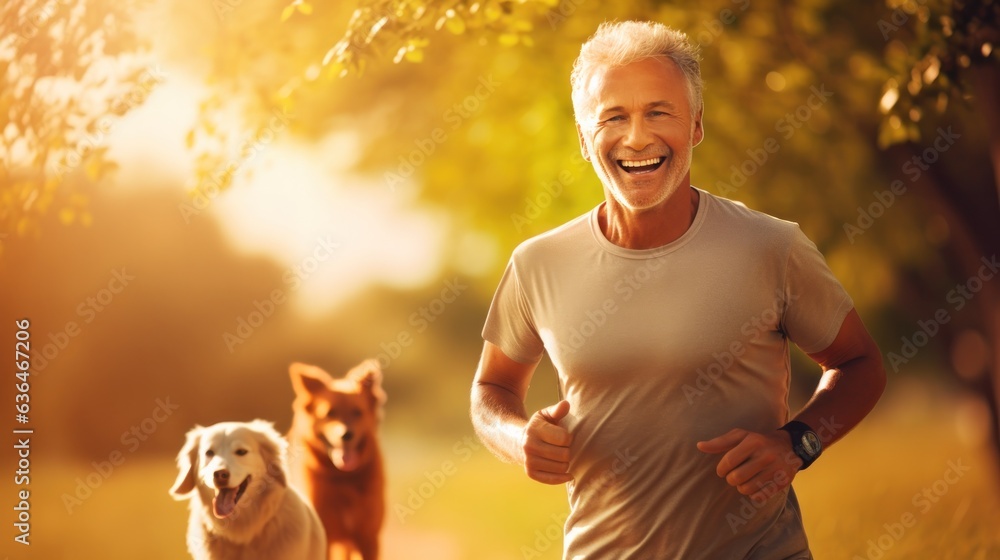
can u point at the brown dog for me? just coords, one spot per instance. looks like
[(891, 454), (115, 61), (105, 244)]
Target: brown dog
[(337, 462)]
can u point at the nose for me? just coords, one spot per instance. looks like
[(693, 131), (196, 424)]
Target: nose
[(348, 435), (638, 136), (221, 477)]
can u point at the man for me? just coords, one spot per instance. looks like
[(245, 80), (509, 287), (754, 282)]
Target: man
[(667, 313)]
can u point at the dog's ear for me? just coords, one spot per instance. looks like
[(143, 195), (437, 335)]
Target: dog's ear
[(368, 375), (187, 464), (273, 449), (308, 380)]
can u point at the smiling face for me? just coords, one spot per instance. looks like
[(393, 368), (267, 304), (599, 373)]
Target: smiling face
[(230, 456), (230, 463), (640, 131)]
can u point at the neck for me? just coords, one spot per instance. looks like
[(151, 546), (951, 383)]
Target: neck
[(652, 227)]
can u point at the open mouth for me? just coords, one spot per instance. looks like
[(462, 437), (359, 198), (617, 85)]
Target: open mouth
[(638, 167), (347, 457), (226, 499)]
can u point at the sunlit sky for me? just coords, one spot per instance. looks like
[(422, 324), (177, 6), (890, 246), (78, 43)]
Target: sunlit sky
[(291, 201)]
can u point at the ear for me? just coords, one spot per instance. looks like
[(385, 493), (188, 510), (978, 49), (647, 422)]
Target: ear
[(308, 380), (698, 132), (583, 142), (187, 463), (368, 374), (273, 450)]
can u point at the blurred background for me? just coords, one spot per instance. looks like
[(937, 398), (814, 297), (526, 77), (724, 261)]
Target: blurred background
[(195, 194)]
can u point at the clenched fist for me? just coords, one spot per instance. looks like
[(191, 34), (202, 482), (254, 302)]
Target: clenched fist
[(545, 445), (757, 465)]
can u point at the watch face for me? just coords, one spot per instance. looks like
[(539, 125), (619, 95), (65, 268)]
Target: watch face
[(810, 443)]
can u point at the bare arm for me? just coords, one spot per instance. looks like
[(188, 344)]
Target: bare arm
[(537, 442), (853, 380)]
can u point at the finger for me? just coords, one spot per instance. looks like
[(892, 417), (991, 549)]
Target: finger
[(556, 412), (550, 478), (746, 471), (723, 443), (550, 433), (540, 464), (762, 486), (540, 448), (735, 457)]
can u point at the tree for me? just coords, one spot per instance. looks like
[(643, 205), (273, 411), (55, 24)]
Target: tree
[(866, 111), (944, 54), (69, 70), (873, 125)]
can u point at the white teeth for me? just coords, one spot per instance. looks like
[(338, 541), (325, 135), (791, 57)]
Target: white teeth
[(642, 163)]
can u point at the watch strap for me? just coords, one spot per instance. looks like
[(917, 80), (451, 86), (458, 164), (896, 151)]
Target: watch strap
[(802, 434)]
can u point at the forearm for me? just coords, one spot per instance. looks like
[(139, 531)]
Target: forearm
[(499, 418), (845, 395)]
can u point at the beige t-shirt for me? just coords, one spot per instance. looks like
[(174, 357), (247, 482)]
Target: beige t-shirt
[(658, 349)]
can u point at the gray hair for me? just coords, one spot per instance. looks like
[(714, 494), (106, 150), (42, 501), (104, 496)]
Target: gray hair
[(621, 43)]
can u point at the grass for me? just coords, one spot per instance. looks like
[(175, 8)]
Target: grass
[(461, 503)]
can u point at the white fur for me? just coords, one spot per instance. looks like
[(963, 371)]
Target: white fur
[(270, 522)]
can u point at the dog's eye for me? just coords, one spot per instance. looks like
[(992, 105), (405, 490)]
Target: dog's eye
[(241, 452), (210, 453), (356, 413)]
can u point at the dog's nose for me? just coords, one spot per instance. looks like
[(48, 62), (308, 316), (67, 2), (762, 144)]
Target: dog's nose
[(348, 436), (221, 476)]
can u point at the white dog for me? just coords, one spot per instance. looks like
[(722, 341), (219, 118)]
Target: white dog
[(241, 505)]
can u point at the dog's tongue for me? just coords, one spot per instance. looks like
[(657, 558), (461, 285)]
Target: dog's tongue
[(344, 459), (225, 502)]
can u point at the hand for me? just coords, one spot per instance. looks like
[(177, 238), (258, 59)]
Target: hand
[(757, 465), (546, 445)]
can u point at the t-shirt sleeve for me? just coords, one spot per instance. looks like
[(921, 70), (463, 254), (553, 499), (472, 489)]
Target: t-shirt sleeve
[(815, 302), (509, 324)]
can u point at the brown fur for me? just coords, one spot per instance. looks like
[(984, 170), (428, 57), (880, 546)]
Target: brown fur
[(269, 521), (337, 460)]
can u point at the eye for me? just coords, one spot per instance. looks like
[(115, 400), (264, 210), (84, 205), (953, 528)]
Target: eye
[(616, 118), (241, 452), (356, 413), (209, 453)]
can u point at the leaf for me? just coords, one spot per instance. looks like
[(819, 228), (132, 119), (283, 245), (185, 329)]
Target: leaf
[(287, 12), (378, 25), (454, 22), (889, 98), (399, 55), (508, 39), (456, 25), (492, 12), (415, 54), (330, 54)]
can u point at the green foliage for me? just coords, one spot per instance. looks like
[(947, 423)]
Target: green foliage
[(68, 71), (930, 47), (483, 128), (403, 28)]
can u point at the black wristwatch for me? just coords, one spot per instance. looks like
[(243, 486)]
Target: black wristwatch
[(805, 442)]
